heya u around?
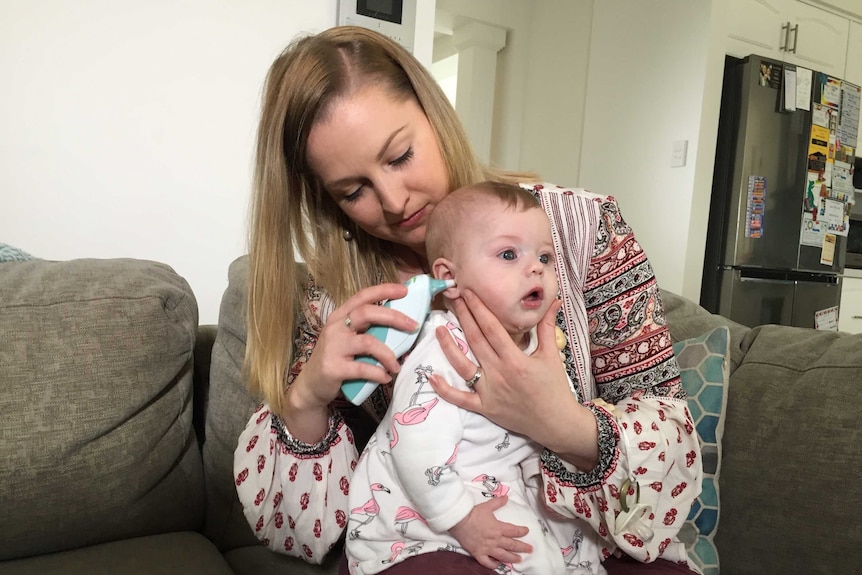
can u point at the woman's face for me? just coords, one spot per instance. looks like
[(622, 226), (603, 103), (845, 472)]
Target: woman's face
[(380, 161)]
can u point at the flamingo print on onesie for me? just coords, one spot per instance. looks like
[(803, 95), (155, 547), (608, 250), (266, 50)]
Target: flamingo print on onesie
[(429, 463)]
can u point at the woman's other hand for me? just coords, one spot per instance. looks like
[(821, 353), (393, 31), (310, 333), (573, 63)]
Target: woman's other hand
[(333, 361), (527, 394)]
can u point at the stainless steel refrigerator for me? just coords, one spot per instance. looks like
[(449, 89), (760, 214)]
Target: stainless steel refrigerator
[(757, 269)]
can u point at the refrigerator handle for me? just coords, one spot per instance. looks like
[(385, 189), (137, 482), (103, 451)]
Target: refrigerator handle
[(795, 30)]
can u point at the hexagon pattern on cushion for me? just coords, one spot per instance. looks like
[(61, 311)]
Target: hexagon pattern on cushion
[(703, 369)]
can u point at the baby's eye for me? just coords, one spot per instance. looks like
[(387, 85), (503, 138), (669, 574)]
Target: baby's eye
[(508, 254), (545, 258)]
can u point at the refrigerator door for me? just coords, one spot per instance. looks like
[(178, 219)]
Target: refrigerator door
[(812, 297), (774, 146), (755, 301), (755, 297)]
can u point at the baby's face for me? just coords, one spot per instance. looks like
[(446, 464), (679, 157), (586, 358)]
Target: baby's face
[(506, 256)]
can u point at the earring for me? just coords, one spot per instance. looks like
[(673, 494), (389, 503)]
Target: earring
[(347, 235)]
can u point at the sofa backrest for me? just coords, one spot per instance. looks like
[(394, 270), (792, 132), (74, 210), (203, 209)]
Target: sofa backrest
[(229, 406), (95, 404)]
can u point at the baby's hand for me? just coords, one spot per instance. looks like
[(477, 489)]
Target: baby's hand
[(489, 540)]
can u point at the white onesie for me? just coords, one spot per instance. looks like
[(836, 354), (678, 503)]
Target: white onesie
[(430, 462)]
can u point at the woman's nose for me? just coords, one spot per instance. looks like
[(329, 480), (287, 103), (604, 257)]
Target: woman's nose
[(392, 197)]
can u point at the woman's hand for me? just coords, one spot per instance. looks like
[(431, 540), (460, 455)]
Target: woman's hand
[(525, 394), (333, 359), (489, 540)]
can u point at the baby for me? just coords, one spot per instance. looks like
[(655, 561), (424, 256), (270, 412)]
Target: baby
[(430, 463)]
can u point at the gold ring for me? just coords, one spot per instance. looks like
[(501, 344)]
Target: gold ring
[(472, 381), (347, 321)]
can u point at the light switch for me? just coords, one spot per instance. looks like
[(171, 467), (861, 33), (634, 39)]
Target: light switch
[(680, 150)]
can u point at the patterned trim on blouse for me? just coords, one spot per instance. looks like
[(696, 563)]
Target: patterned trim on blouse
[(652, 381), (303, 450), (627, 281), (588, 480), (569, 359)]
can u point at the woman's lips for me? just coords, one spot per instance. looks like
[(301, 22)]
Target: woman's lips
[(412, 220)]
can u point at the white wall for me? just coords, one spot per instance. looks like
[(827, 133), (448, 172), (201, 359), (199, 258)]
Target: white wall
[(654, 78), (556, 89), (512, 67), (127, 128)]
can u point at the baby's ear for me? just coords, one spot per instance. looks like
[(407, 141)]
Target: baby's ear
[(443, 269)]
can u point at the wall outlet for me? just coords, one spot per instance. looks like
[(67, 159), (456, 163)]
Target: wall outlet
[(678, 156)]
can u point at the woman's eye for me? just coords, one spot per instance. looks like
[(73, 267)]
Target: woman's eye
[(403, 158), (507, 254), (352, 197)]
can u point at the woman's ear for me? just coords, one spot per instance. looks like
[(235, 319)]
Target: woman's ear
[(443, 269)]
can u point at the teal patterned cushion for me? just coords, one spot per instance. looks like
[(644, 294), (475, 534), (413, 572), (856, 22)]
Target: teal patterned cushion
[(12, 254), (703, 366)]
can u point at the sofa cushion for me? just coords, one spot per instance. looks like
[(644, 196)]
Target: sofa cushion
[(258, 560), (703, 364), (687, 320), (790, 489), (229, 406), (181, 553), (96, 404)]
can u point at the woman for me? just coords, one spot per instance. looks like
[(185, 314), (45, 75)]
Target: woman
[(356, 146)]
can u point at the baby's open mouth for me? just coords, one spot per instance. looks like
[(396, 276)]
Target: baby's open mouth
[(535, 296)]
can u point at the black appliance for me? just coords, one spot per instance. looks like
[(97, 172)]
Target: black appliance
[(757, 270)]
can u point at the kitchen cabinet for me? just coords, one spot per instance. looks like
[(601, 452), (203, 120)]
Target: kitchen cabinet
[(790, 31), (754, 27), (850, 308)]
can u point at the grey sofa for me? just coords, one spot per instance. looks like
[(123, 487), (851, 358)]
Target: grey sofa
[(119, 415)]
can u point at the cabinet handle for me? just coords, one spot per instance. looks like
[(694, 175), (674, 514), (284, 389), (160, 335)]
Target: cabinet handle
[(857, 317), (786, 30), (795, 37)]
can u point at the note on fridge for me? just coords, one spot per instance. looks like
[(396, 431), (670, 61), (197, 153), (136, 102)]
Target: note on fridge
[(826, 319), (803, 88)]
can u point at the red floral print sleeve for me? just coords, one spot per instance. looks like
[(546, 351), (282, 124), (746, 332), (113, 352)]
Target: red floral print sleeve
[(294, 494), (649, 469)]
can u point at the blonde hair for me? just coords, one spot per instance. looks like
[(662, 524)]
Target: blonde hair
[(451, 215), (291, 212)]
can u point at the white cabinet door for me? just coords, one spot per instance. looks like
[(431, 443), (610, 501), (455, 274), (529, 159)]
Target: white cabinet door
[(754, 27), (820, 41), (850, 309), (790, 31)]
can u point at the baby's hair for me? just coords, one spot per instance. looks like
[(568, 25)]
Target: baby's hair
[(454, 212)]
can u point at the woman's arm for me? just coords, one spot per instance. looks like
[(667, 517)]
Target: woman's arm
[(294, 492), (646, 439), (293, 469)]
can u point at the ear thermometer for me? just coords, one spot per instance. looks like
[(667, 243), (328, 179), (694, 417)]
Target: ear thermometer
[(421, 289)]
